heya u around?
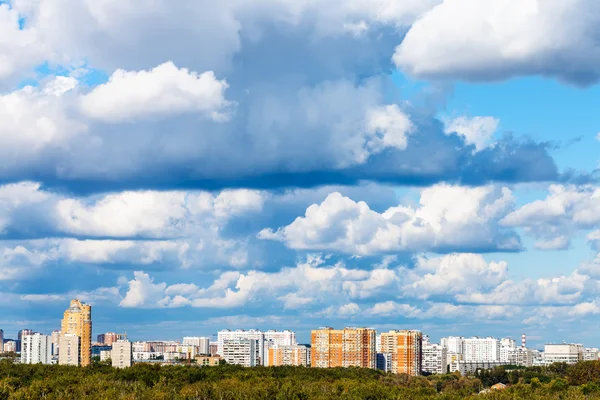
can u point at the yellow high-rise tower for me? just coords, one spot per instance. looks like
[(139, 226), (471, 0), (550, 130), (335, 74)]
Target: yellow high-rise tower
[(78, 321)]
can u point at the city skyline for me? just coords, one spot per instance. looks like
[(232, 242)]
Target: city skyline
[(414, 164)]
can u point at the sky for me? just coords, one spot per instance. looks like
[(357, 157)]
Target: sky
[(192, 166)]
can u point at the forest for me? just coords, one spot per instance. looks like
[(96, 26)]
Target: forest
[(229, 382)]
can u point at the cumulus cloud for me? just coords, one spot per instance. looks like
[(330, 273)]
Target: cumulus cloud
[(565, 211), (164, 90), (496, 40), (477, 131), (448, 218)]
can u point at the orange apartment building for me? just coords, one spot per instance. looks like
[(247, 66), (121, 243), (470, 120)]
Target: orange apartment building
[(77, 321), (298, 355), (406, 350), (348, 347)]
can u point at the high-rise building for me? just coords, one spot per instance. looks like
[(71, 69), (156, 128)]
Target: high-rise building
[(36, 349), (281, 338), (454, 344), (202, 343), (481, 350), (1, 340), (435, 358), (384, 362), (590, 354), (213, 349), (241, 352), (70, 349), (406, 349), (121, 354), (55, 339), (348, 347), (567, 353), (109, 338), (21, 335), (78, 321), (297, 355)]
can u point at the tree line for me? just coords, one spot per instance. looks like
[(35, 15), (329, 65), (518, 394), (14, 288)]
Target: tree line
[(229, 382)]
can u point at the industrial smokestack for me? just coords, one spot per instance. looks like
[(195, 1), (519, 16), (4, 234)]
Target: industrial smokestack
[(523, 341)]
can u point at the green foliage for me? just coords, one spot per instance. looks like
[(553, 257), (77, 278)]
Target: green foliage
[(229, 382)]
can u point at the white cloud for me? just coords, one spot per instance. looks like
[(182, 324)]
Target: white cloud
[(565, 211), (449, 217), (389, 127), (36, 119), (485, 40), (142, 290), (477, 131), (453, 274), (164, 90)]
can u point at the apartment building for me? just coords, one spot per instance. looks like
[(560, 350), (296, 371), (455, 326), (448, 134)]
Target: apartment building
[(121, 354), (36, 349), (201, 343), (348, 347), (569, 353), (77, 320), (481, 349), (297, 355), (70, 351), (435, 358), (405, 346), (241, 352)]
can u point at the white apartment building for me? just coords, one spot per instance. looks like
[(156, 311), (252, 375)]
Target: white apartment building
[(508, 342), (569, 353), (36, 349), (280, 338), (590, 354), (121, 354), (522, 356), (241, 352), (435, 358), (481, 349), (202, 343), (105, 355), (378, 343), (454, 344), (69, 350)]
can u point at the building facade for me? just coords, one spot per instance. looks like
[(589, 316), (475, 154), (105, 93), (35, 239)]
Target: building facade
[(121, 354), (202, 344), (55, 337), (348, 347), (405, 346), (590, 354), (454, 344), (567, 353), (481, 350), (384, 362), (109, 338), (21, 335), (70, 350), (77, 320), (36, 349), (10, 346), (1, 340), (297, 355), (241, 352), (435, 358)]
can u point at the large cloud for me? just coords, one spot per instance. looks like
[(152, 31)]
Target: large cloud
[(447, 218), (555, 219), (492, 40)]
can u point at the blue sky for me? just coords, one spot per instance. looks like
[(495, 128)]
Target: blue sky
[(282, 165)]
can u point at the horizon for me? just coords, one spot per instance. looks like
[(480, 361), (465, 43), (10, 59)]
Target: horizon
[(277, 164)]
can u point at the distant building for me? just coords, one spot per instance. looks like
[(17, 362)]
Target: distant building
[(121, 354), (96, 350), (348, 347), (208, 361), (590, 354), (1, 340), (567, 353), (297, 355), (454, 344), (55, 337), (213, 349), (77, 320), (109, 338), (10, 346), (481, 349), (470, 367), (522, 356), (241, 352), (69, 354), (435, 358), (384, 362), (36, 349), (202, 343), (406, 349), (105, 355), (22, 334), (263, 339)]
